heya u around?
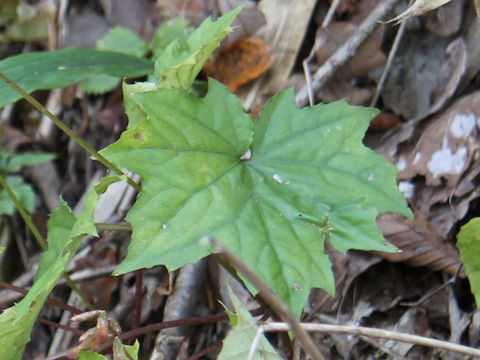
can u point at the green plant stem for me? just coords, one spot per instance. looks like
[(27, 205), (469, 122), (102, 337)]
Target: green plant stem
[(28, 220), (271, 297), (41, 241), (114, 227), (67, 131)]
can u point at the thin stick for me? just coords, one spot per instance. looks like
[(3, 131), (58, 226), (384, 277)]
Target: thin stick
[(391, 55), (272, 298), (331, 11), (66, 130), (433, 292), (36, 233), (137, 318), (377, 333), (52, 302), (340, 57), (114, 227), (26, 217), (199, 320), (255, 343)]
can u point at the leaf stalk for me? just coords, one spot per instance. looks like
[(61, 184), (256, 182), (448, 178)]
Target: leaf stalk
[(36, 233), (67, 131)]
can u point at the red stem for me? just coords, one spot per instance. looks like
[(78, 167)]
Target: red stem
[(49, 301), (138, 298)]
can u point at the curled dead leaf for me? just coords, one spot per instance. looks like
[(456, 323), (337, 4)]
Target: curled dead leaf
[(240, 63), (418, 8), (446, 148), (385, 121), (419, 242)]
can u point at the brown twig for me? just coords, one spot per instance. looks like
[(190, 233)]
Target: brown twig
[(199, 320), (49, 301), (435, 291), (272, 299), (138, 298), (206, 350), (378, 333), (346, 51), (60, 326), (391, 55)]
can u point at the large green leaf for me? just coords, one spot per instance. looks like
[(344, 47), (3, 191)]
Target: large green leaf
[(468, 242), (53, 69), (272, 191)]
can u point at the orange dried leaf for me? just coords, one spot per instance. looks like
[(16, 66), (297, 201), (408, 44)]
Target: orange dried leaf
[(240, 62)]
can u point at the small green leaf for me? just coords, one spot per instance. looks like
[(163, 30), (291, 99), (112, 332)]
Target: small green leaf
[(99, 84), (178, 30), (123, 40), (125, 352), (271, 191), (22, 191), (179, 64), (238, 342), (17, 322), (120, 40), (17, 161), (232, 317), (30, 23), (53, 69), (12, 163), (87, 355), (468, 242)]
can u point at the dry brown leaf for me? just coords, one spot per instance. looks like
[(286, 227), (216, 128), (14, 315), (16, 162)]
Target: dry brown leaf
[(385, 121), (287, 24), (194, 10), (99, 291), (446, 147), (240, 62), (95, 337), (12, 138), (340, 87), (419, 242), (451, 74), (446, 20), (420, 7), (346, 268)]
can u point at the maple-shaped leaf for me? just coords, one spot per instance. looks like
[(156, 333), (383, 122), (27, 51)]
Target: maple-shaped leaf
[(271, 191)]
